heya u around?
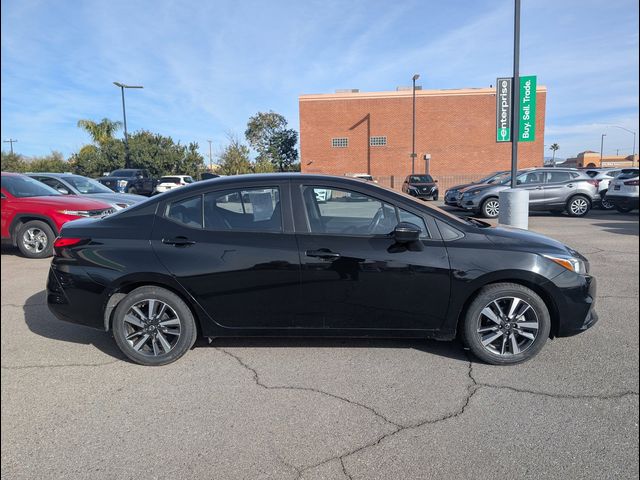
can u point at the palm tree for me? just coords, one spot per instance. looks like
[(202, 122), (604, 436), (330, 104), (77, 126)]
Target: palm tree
[(100, 132), (554, 147)]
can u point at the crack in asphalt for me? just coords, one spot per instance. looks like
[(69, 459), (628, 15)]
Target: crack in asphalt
[(256, 379), (472, 387)]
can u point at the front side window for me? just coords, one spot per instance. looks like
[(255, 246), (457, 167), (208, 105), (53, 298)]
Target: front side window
[(187, 211), (343, 212), (255, 209), (530, 178)]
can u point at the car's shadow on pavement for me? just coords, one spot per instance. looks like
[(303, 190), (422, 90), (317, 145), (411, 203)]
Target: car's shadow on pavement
[(42, 322)]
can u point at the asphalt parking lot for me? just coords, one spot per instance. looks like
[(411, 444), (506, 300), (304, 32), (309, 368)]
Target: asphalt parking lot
[(72, 407)]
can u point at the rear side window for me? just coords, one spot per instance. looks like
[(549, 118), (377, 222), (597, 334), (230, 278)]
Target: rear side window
[(628, 173), (256, 210), (187, 211), (558, 177)]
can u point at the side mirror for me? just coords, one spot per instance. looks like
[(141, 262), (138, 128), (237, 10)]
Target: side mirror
[(63, 190), (406, 232), (518, 182)]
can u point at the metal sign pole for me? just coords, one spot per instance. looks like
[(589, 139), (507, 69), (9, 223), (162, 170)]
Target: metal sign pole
[(516, 94)]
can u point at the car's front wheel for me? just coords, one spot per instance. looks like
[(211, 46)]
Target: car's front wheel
[(153, 326), (490, 207), (506, 323), (35, 239)]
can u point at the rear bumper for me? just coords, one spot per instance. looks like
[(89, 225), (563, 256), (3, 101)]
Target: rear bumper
[(69, 299), (622, 200)]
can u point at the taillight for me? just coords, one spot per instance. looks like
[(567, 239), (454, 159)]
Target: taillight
[(66, 242), (633, 183), (595, 183)]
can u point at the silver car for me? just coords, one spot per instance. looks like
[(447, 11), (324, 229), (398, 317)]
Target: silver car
[(551, 189), (70, 184)]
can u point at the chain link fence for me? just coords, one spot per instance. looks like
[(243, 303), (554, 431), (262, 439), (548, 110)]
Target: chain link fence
[(444, 182)]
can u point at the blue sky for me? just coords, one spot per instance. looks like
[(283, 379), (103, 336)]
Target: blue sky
[(208, 65)]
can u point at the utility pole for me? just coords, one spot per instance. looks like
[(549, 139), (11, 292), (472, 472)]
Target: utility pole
[(413, 131), (122, 86), (210, 157), (602, 146), (11, 141)]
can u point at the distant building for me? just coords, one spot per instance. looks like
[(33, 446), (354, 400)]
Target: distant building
[(371, 132), (591, 159)]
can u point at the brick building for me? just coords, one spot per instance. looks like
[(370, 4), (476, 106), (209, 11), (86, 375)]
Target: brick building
[(370, 132)]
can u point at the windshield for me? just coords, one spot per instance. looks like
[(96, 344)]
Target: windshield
[(86, 186), (420, 179), (496, 178), (22, 186), (122, 173), (170, 180), (628, 173)]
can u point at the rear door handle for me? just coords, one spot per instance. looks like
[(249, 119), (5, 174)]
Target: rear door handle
[(178, 241), (323, 253)]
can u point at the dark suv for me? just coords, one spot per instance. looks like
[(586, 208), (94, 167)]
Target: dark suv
[(130, 180), (421, 186)]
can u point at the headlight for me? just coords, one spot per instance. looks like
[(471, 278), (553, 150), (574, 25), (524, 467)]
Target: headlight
[(570, 263), (77, 213), (122, 183)]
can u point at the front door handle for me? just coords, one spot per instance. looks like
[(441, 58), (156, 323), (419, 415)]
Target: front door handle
[(323, 253), (570, 185), (178, 241)]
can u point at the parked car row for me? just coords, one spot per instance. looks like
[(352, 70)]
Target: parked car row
[(551, 189)]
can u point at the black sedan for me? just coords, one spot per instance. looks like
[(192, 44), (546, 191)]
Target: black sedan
[(259, 255)]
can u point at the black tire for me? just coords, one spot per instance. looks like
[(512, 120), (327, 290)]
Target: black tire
[(604, 204), (500, 292), (622, 209), (146, 354), (578, 206), (34, 249), (435, 198), (132, 191), (489, 208)]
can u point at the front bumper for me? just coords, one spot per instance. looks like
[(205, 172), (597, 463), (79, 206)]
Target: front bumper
[(575, 304), (451, 198), (431, 193)]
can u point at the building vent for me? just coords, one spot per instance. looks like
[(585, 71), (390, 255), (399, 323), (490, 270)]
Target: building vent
[(347, 90), (378, 141), (341, 142)]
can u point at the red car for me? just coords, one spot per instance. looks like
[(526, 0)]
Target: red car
[(33, 213)]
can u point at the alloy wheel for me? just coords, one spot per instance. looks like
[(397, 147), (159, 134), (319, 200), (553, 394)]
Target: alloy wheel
[(492, 208), (579, 206), (607, 205), (507, 326), (35, 240), (152, 327)]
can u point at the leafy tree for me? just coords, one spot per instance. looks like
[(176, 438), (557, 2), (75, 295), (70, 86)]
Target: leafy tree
[(12, 162), (234, 159), (267, 133), (102, 131), (263, 166), (49, 163)]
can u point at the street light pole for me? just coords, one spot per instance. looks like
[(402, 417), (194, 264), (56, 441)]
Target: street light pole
[(11, 141), (122, 86), (601, 147), (210, 157), (633, 152), (413, 136)]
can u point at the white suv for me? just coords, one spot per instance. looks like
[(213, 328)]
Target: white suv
[(623, 190), (172, 181), (604, 177)]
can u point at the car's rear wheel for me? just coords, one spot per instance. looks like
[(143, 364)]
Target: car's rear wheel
[(506, 323), (604, 203), (35, 239), (435, 198), (622, 209), (153, 326), (578, 206), (490, 208)]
